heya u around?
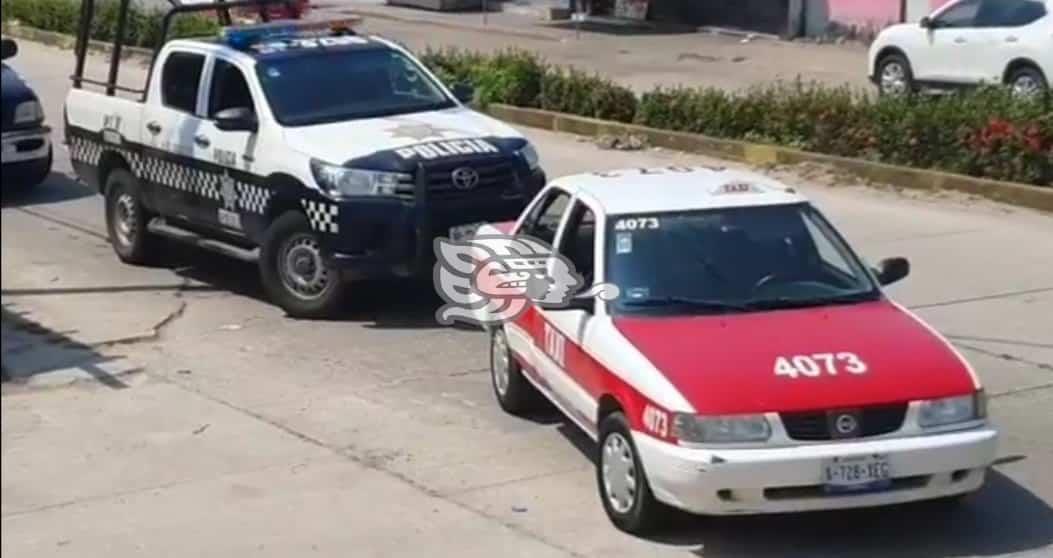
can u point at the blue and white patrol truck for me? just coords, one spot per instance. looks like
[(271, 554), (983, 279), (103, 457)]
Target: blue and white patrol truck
[(323, 155)]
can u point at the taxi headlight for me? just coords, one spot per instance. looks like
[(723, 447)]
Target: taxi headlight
[(28, 111), (341, 182), (695, 429), (951, 410), (529, 154)]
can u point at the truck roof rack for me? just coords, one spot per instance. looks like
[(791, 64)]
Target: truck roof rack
[(87, 14)]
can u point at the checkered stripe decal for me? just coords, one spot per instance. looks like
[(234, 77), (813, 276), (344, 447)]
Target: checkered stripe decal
[(90, 152), (253, 198), (322, 216)]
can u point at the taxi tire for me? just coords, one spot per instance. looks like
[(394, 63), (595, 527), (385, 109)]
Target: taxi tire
[(647, 512), (521, 397), (326, 306), (143, 246)]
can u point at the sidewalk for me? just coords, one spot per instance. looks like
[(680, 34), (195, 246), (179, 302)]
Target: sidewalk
[(638, 56)]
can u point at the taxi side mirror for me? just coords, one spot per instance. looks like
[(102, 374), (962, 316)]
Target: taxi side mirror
[(891, 270), (585, 304)]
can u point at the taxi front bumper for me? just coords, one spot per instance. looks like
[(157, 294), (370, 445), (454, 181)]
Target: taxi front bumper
[(778, 480)]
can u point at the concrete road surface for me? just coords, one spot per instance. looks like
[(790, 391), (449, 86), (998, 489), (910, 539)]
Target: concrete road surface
[(171, 411)]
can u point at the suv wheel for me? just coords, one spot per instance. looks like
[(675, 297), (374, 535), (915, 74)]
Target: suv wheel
[(294, 270), (514, 392), (622, 483), (1027, 81), (126, 219), (895, 77)]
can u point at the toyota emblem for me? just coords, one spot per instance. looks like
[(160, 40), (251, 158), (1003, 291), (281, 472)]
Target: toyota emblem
[(846, 424), (464, 178)]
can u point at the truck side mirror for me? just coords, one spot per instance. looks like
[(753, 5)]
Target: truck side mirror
[(891, 270), (236, 119), (464, 93), (8, 49)]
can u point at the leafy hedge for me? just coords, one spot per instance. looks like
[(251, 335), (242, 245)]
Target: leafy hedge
[(985, 133), (143, 27)]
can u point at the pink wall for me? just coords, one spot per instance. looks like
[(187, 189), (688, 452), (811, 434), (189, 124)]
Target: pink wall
[(868, 13)]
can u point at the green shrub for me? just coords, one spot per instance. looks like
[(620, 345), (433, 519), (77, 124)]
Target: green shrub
[(572, 91), (143, 27)]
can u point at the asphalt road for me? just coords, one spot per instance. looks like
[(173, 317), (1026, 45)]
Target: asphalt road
[(202, 422)]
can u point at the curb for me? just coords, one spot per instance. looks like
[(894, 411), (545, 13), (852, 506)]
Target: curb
[(68, 42), (1022, 195)]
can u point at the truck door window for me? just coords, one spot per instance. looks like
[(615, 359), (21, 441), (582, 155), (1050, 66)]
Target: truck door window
[(229, 89), (180, 81), (579, 242), (544, 219)]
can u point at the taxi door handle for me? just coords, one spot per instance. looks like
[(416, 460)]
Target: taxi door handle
[(154, 128), (201, 141)]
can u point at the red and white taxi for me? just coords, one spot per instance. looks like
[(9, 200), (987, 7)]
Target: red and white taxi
[(751, 362)]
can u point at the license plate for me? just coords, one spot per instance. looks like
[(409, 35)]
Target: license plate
[(856, 473), (463, 232)]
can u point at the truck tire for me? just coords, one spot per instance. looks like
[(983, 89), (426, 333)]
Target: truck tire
[(294, 271), (515, 394), (895, 76), (623, 486), (126, 220)]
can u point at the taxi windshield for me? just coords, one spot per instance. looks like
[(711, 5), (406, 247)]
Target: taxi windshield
[(732, 260), (337, 85)]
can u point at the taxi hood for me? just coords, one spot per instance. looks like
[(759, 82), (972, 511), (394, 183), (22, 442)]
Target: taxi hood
[(727, 364), (400, 142)]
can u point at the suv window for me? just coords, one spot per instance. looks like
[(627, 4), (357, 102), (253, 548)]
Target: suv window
[(544, 219), (962, 14), (180, 80), (229, 89), (1009, 13), (579, 242)]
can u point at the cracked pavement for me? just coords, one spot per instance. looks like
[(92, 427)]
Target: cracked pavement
[(171, 411)]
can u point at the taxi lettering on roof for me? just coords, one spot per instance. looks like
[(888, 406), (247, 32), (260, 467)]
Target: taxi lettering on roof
[(738, 187)]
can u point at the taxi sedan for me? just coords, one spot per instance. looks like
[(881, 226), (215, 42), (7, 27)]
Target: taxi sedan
[(750, 362)]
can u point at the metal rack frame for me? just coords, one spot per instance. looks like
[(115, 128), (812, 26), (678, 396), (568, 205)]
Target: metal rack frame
[(87, 15)]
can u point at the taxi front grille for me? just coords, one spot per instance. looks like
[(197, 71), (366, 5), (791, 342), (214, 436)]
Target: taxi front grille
[(821, 425)]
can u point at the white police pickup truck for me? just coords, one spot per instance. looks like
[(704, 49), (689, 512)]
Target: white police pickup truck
[(321, 154)]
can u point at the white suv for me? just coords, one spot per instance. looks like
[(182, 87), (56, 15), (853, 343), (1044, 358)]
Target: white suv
[(968, 42)]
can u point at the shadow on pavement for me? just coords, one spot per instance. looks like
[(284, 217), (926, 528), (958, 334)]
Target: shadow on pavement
[(1003, 518), (35, 354), (56, 189), (379, 304)]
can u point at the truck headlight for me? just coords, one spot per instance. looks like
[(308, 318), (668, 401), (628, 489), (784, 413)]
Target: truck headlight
[(529, 154), (695, 429), (342, 182), (28, 111), (951, 410)]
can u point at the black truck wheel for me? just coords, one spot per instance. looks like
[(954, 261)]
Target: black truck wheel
[(295, 272), (126, 220)]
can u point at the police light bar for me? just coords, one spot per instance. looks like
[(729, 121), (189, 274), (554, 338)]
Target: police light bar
[(244, 36)]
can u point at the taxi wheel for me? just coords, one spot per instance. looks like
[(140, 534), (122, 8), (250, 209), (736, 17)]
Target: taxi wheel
[(623, 486), (126, 220), (514, 392), (294, 270)]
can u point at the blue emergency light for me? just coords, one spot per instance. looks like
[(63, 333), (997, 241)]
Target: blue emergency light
[(244, 36)]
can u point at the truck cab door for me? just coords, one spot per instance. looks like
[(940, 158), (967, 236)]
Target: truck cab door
[(227, 148), (169, 125)]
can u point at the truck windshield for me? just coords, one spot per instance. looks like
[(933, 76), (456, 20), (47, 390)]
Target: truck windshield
[(731, 260), (338, 85)]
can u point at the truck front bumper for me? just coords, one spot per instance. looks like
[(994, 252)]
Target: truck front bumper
[(395, 238), (777, 480)]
